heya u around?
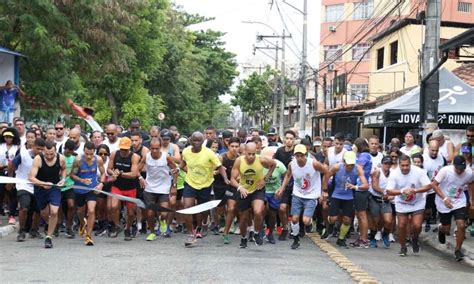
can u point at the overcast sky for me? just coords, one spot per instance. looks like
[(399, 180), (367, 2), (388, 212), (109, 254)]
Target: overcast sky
[(240, 37)]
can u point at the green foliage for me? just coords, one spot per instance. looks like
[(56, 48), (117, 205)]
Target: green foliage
[(123, 58)]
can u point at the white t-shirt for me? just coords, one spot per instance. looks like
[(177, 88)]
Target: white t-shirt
[(416, 178), (307, 180), (432, 166), (334, 158), (452, 186), (112, 146), (377, 160), (382, 182), (158, 178), (414, 149)]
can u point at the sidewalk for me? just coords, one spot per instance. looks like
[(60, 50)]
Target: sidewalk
[(431, 239), (5, 229)]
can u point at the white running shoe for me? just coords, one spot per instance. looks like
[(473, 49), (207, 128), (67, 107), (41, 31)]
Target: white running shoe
[(391, 238), (378, 236)]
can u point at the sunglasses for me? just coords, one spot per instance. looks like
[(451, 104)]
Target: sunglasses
[(59, 128)]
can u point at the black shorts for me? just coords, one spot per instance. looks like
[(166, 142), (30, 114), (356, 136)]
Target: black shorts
[(68, 194), (361, 200), (346, 206), (287, 195), (224, 193), (201, 195), (151, 198), (458, 214), (430, 201), (246, 203), (26, 200), (106, 188), (179, 194), (82, 199)]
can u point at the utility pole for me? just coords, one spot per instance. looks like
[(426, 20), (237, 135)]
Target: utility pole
[(275, 87), (282, 85), (304, 54), (334, 86), (429, 89), (325, 87)]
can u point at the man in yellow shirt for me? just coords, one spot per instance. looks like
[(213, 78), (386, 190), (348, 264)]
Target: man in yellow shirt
[(199, 163), (248, 178)]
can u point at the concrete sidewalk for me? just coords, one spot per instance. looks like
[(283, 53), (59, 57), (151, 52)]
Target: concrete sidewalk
[(5, 229), (431, 238)]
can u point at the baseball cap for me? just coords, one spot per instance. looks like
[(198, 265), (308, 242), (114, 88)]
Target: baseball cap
[(386, 160), (272, 131), (125, 143), (317, 143), (350, 158), (459, 162), (300, 148), (8, 133), (226, 134), (165, 134), (437, 133)]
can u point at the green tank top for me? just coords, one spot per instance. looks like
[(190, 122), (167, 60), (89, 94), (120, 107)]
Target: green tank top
[(68, 182)]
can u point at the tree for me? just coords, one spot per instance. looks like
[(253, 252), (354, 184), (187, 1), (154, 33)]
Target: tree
[(254, 95)]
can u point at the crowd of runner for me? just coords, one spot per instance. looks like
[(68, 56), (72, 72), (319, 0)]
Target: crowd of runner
[(272, 188)]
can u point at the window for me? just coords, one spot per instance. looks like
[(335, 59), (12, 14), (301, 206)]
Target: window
[(394, 52), (464, 7), (380, 56), (363, 9), (334, 12), (360, 50), (358, 92), (332, 52)]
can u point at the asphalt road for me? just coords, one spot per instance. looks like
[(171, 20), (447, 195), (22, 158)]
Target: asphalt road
[(164, 260)]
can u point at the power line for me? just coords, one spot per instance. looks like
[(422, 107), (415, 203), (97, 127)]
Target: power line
[(284, 24)]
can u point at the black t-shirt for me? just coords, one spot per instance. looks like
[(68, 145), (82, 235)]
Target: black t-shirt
[(283, 156), (320, 157)]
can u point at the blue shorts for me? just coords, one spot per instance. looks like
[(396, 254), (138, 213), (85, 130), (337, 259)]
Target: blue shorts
[(272, 200), (306, 205), (201, 195), (47, 196)]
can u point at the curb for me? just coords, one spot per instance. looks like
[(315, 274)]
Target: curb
[(357, 274), (6, 230), (448, 248)]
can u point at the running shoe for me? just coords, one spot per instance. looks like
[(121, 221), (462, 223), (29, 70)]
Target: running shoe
[(102, 231), (391, 238), (191, 240), (243, 243), (204, 230), (114, 231), (62, 228), (385, 240), (48, 243), (163, 225), (215, 230), (258, 239), (56, 232), (378, 236), (341, 243), (237, 230), (83, 230), (69, 233), (373, 243), (427, 227), (128, 236), (270, 238), (197, 233), (21, 236), (178, 228), (167, 233), (296, 242), (251, 236), (151, 237), (226, 239), (35, 234), (12, 220), (441, 237), (283, 235), (89, 241), (134, 230), (415, 245), (403, 252), (458, 255)]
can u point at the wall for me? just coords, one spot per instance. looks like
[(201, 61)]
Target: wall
[(7, 68), (405, 73)]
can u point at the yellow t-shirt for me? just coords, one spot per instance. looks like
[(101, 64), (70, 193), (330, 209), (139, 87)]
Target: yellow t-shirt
[(201, 167), (250, 174)]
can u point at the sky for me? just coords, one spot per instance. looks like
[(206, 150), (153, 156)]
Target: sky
[(241, 37)]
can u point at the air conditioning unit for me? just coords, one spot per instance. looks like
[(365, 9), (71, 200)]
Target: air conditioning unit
[(332, 29), (331, 67)]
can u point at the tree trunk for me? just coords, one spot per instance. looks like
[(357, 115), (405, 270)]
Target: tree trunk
[(113, 106)]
